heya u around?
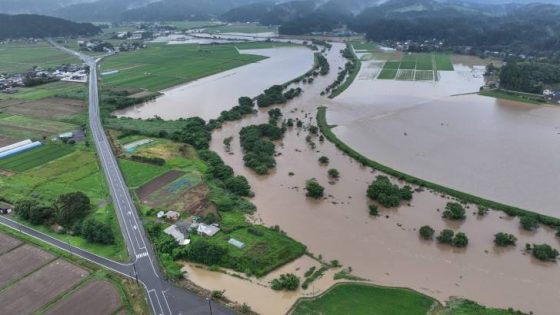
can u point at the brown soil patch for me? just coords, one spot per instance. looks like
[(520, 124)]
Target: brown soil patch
[(4, 141), (7, 243), (47, 108), (157, 183), (96, 297), (21, 261), (36, 290), (191, 200), (142, 94), (167, 151)]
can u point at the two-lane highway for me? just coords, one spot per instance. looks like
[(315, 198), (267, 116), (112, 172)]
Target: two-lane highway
[(164, 297)]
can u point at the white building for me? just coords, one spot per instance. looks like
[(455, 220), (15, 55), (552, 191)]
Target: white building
[(207, 230)]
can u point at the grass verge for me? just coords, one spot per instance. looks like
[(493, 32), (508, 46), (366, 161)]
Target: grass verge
[(465, 197)]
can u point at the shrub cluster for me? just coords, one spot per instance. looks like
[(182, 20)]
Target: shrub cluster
[(454, 211), (388, 194), (504, 239), (447, 236), (314, 189), (149, 160), (237, 185), (195, 132), (287, 281)]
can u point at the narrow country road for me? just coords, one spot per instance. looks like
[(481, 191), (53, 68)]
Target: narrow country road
[(163, 297)]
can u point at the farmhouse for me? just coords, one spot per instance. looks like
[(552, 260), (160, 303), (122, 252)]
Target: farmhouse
[(174, 232), (207, 230), (172, 215)]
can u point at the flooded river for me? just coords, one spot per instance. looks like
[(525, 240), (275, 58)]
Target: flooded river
[(209, 96), (500, 150), (387, 249)]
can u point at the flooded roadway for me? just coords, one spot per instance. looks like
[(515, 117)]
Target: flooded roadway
[(386, 249)]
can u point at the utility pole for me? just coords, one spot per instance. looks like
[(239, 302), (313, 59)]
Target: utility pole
[(135, 273), (210, 305)]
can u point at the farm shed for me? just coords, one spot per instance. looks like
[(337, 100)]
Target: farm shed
[(207, 230), (236, 243)]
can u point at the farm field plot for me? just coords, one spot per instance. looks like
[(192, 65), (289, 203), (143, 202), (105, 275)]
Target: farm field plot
[(424, 67), (161, 66), (29, 294), (184, 194), (12, 268), (362, 45), (7, 243), (23, 127), (86, 301), (21, 56), (4, 141), (49, 108), (35, 157), (366, 299), (157, 183), (137, 173), (60, 88)]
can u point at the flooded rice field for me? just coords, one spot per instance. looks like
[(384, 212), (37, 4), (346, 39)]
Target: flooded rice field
[(500, 150), (209, 96), (387, 249)]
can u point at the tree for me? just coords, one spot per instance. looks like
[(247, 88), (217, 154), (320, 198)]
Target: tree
[(97, 232), (313, 129), (445, 236), (482, 210), (460, 240), (204, 252), (529, 223), (324, 160), (373, 210), (288, 281), (504, 239), (333, 172), (314, 189), (454, 211), (388, 194), (544, 252), (41, 215), (195, 133), (71, 208), (426, 232), (23, 208), (238, 185)]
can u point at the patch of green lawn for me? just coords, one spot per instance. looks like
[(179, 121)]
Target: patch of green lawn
[(363, 45), (365, 299), (443, 62), (59, 88), (161, 66), (137, 174), (387, 74), (21, 56)]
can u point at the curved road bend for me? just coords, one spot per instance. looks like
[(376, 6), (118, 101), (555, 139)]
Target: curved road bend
[(163, 296)]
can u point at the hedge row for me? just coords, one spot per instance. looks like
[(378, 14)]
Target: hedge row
[(465, 197), (351, 75)]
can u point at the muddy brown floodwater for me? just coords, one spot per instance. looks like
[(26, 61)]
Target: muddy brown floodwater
[(385, 249)]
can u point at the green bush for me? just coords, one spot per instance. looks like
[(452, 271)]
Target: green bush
[(314, 189), (333, 172), (460, 240), (388, 194), (504, 239), (288, 282), (544, 252), (373, 210), (426, 232), (529, 223), (454, 211), (445, 236)]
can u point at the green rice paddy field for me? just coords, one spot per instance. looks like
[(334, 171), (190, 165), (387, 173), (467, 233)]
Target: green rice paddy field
[(21, 56), (416, 66), (25, 127), (63, 89), (35, 157), (161, 66)]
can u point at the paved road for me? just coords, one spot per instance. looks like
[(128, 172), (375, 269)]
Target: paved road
[(163, 297)]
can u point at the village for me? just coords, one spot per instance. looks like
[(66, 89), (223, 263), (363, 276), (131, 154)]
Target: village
[(10, 83)]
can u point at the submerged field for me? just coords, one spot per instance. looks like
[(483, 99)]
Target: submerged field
[(21, 56), (162, 66)]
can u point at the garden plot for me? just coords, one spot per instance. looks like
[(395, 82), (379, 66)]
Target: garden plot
[(22, 127), (35, 157), (7, 243), (371, 71), (405, 74), (416, 66), (184, 194)]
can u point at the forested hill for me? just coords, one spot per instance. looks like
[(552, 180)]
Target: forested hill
[(37, 26)]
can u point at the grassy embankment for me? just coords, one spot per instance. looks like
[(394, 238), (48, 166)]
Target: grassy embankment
[(241, 28), (465, 197), (132, 294), (515, 96), (17, 57), (367, 299), (350, 76)]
